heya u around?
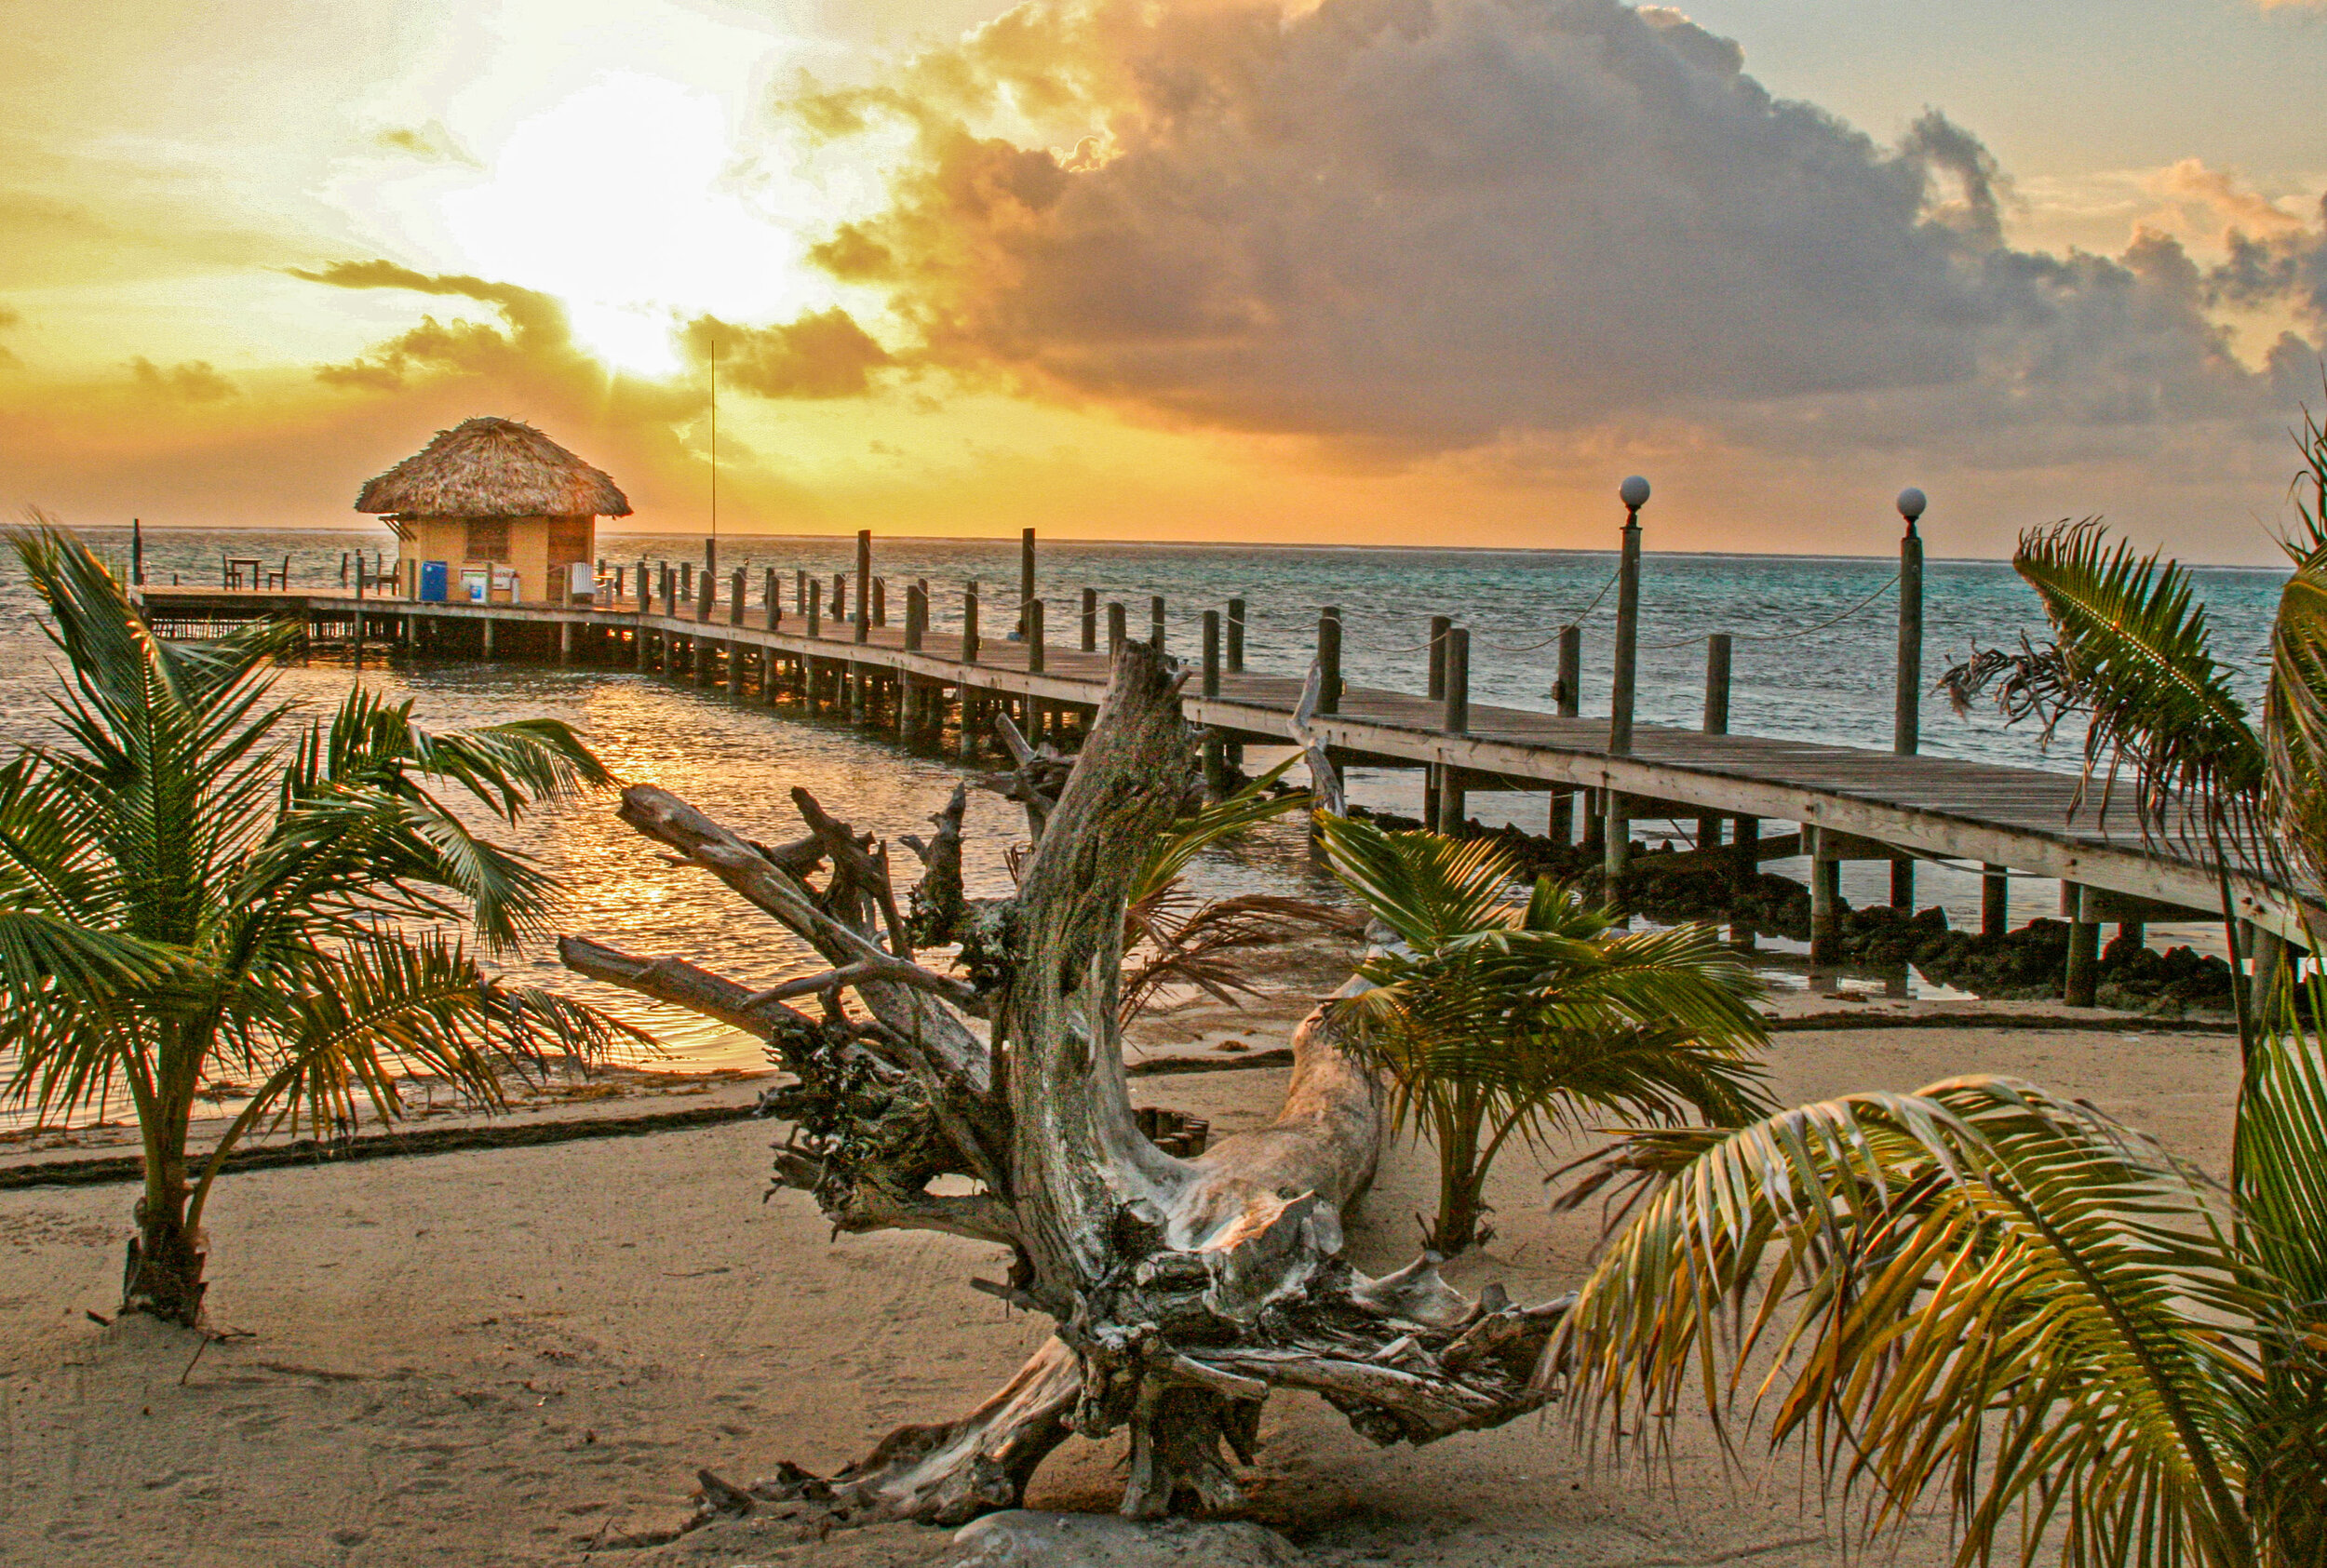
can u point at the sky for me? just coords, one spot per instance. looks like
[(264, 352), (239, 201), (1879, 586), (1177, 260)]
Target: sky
[(1373, 272)]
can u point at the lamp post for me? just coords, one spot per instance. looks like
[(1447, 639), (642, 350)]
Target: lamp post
[(1906, 736), (1617, 835)]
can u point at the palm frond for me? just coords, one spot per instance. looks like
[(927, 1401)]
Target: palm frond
[(2139, 650), (1975, 1291), (1426, 888), (1213, 822)]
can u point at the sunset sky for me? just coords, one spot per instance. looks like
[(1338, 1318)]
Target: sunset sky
[(1393, 272)]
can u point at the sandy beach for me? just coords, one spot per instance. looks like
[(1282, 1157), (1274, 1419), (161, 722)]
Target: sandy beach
[(521, 1356)]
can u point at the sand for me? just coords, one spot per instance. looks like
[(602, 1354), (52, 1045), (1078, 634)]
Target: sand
[(521, 1356)]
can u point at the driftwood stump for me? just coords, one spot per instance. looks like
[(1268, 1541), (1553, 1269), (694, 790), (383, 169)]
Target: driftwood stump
[(1185, 1289)]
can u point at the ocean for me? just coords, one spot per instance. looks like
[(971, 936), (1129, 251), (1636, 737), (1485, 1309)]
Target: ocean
[(1815, 641)]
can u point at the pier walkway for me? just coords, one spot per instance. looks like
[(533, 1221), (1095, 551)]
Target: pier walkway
[(1853, 803)]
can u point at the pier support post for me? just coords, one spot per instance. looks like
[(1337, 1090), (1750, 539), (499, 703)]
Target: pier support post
[(1030, 618), (1745, 855), (1155, 622), (565, 640), (1995, 901), (1117, 632), (1454, 719), (1214, 752), (968, 631), (864, 586), (1716, 721), (488, 638), (1825, 899), (1329, 659), (1439, 627), (1567, 699), (1026, 582), (799, 590), (772, 601), (2082, 977), (815, 608), (736, 591), (1235, 630), (1090, 642)]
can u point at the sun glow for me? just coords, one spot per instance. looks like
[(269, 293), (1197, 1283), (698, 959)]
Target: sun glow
[(626, 200)]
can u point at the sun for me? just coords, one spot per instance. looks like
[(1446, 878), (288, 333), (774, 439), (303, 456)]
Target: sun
[(622, 200)]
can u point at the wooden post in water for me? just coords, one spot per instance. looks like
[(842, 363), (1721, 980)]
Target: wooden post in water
[(969, 625), (2078, 982), (487, 637), (1825, 898), (771, 600), (1032, 620), (1155, 622), (1617, 846), (839, 599), (912, 720), (864, 585), (1117, 632), (1214, 754), (1232, 663), (1454, 718), (735, 597), (1994, 900), (1329, 659), (646, 592), (1090, 620), (1439, 627), (687, 581), (565, 640), (800, 589), (1716, 719), (880, 601), (137, 555), (815, 608), (1566, 697), (1026, 580), (707, 595), (1906, 720)]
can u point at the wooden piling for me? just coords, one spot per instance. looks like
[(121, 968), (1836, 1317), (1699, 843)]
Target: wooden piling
[(1716, 720), (1454, 719), (1026, 580), (1994, 900), (1329, 659), (1032, 620), (1090, 620), (1825, 898), (969, 628), (1155, 622), (772, 601), (1235, 629), (2080, 978), (1118, 632), (864, 585)]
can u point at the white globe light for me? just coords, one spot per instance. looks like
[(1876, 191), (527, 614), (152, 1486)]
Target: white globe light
[(1911, 503), (1634, 493)]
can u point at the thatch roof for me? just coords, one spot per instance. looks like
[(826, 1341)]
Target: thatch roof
[(493, 468)]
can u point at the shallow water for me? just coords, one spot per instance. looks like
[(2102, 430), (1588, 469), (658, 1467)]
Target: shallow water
[(1793, 676)]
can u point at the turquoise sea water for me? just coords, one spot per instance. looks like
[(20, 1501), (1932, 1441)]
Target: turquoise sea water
[(1816, 641)]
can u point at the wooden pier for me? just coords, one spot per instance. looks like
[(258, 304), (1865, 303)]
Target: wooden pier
[(897, 671)]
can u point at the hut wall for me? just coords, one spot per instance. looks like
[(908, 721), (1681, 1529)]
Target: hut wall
[(540, 550)]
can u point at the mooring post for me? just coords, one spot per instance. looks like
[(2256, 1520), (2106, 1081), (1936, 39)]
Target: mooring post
[(880, 601), (799, 590), (1566, 698), (1439, 627), (707, 595), (1617, 845), (1026, 580), (916, 617), (864, 585), (137, 555), (1716, 719), (687, 581), (1825, 897), (1117, 631), (2081, 974), (913, 718), (736, 589), (839, 599), (1906, 734), (1329, 659), (1155, 622), (771, 600), (1454, 719), (815, 608), (1033, 623), (1235, 653), (969, 628), (711, 556), (646, 593), (1215, 751), (1090, 620)]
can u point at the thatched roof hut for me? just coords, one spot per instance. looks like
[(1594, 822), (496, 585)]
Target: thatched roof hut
[(493, 468)]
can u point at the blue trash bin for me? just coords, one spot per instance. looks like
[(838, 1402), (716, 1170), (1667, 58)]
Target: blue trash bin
[(434, 581)]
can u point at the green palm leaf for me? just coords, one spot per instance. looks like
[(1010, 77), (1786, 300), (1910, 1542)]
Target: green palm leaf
[(1976, 1290)]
